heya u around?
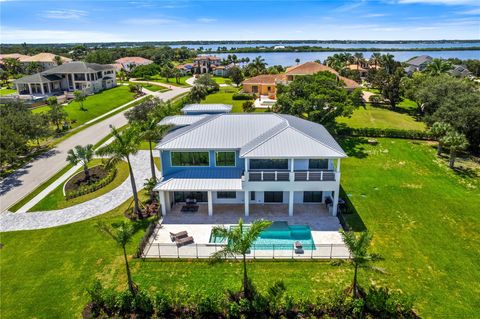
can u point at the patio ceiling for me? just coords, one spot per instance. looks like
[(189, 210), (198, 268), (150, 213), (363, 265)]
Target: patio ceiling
[(200, 184)]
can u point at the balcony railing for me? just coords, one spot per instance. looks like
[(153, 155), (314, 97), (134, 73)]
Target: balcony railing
[(286, 176)]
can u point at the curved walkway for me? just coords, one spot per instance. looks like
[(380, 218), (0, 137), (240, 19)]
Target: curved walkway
[(100, 205)]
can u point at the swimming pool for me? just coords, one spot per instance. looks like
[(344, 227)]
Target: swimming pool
[(279, 236)]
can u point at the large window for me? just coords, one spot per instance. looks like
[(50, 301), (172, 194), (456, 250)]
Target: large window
[(225, 158), (190, 159), (318, 164), (226, 195), (312, 197), (269, 164), (273, 197)]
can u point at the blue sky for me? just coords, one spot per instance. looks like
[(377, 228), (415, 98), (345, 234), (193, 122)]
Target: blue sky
[(138, 20)]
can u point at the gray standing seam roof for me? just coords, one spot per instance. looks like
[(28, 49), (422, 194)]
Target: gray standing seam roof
[(78, 67), (248, 132), (419, 60), (38, 78), (207, 108)]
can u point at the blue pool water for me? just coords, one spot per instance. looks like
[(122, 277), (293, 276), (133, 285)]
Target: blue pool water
[(279, 236)]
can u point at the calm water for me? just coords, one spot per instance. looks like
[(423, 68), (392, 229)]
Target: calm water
[(337, 45), (288, 58)]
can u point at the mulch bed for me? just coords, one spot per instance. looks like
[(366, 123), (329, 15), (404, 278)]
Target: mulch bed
[(96, 173)]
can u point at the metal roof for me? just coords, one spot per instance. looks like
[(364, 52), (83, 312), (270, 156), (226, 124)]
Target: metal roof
[(79, 67), (37, 78), (419, 60), (204, 179), (260, 135), (181, 120), (207, 108)]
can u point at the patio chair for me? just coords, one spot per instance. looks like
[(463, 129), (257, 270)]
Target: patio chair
[(184, 241), (175, 236), (298, 247)]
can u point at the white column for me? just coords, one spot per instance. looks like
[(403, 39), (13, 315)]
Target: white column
[(43, 89), (247, 203), (247, 164), (210, 204), (292, 165), (30, 88), (338, 166), (290, 203), (163, 203), (49, 87), (335, 200)]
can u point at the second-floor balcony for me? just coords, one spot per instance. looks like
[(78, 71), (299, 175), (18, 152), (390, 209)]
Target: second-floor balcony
[(288, 176)]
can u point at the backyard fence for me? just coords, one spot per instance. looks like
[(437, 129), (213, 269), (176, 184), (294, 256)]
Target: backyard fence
[(203, 251)]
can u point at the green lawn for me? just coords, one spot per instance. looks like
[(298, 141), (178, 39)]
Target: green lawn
[(423, 216), (171, 81), (425, 221), (224, 95), (7, 91), (375, 117), (222, 80), (56, 199), (95, 105)]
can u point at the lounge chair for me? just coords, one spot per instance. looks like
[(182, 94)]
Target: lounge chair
[(175, 236), (298, 247), (184, 241)]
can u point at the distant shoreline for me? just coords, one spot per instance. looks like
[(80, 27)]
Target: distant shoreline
[(329, 49)]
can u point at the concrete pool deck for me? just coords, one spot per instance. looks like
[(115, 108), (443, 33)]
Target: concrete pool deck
[(324, 228)]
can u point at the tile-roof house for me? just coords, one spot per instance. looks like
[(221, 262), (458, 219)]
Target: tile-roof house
[(248, 159), (130, 62), (88, 77), (45, 59), (206, 63)]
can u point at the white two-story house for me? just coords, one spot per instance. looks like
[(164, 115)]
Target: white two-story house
[(248, 159)]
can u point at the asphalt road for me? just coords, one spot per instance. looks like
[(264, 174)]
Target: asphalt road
[(23, 181)]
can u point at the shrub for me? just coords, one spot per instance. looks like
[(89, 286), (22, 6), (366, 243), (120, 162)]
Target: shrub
[(375, 99), (92, 187), (242, 96), (248, 106), (378, 132)]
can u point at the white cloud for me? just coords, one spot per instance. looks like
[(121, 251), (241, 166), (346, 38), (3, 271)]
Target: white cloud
[(149, 21), (446, 2), (67, 14), (14, 35), (206, 20), (470, 12), (375, 15)]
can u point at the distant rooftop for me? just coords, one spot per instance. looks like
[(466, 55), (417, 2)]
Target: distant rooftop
[(78, 67), (182, 120), (419, 60)]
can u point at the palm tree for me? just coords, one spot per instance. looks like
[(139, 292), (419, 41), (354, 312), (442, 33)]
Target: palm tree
[(387, 61), (360, 257), (152, 132), (437, 67), (58, 60), (81, 154), (259, 64), (122, 75), (125, 144), (375, 58), (439, 130), (240, 239), (297, 60), (122, 233), (12, 66), (34, 67), (358, 58), (456, 142)]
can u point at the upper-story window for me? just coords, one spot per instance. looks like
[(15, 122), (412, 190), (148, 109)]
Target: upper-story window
[(318, 164), (190, 159), (224, 158), (269, 164)]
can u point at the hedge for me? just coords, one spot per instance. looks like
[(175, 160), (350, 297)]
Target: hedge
[(242, 96), (92, 187), (388, 132)]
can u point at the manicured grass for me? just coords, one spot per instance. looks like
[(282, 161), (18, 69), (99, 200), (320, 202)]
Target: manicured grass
[(224, 95), (95, 105), (40, 188), (423, 216), (171, 81), (7, 91), (154, 88), (375, 117), (56, 199), (425, 221), (222, 80)]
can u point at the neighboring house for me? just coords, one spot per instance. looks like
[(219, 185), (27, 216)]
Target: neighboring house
[(460, 71), (249, 159), (362, 68), (206, 63), (192, 109), (88, 77), (45, 59), (18, 56), (130, 62), (186, 69), (418, 63), (265, 84)]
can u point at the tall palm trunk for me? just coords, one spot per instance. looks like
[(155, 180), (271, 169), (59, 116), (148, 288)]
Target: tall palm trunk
[(246, 288), (439, 148), (453, 156), (355, 287), (86, 172), (134, 187), (152, 162), (131, 286)]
